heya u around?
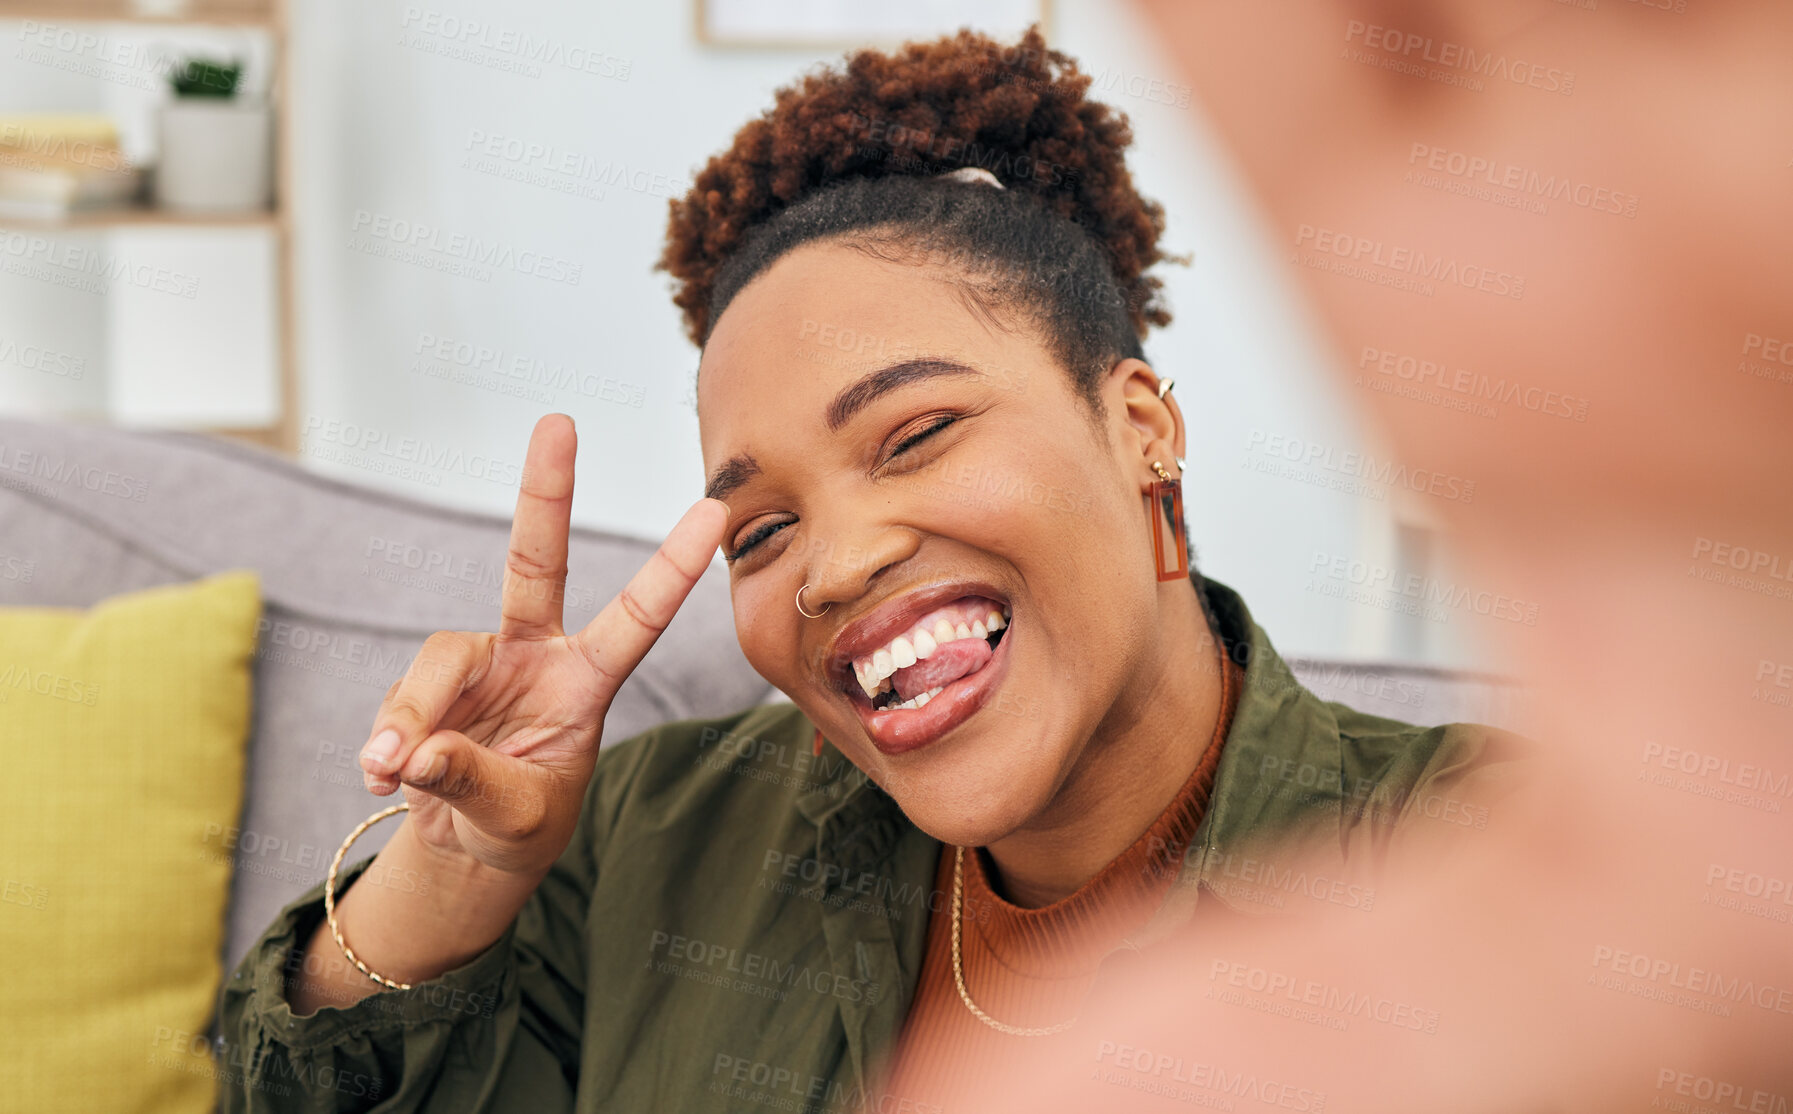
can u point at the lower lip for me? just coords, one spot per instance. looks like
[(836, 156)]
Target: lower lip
[(898, 731)]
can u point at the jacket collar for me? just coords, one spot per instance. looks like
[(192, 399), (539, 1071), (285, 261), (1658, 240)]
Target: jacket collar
[(1278, 794)]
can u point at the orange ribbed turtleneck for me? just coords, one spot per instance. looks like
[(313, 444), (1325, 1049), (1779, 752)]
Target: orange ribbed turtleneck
[(1033, 967)]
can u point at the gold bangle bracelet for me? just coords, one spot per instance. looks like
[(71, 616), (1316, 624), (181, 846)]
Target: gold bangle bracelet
[(330, 894)]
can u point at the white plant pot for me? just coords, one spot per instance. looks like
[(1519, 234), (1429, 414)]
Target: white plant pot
[(216, 155)]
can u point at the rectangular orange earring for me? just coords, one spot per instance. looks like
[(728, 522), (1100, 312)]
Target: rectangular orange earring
[(818, 742), (1168, 548)]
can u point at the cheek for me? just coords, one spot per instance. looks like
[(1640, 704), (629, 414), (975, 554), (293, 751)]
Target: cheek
[(1026, 497), (765, 636)]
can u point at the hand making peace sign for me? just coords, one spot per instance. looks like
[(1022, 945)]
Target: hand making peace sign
[(493, 736)]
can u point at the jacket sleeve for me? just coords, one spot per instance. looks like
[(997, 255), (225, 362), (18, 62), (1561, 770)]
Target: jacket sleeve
[(501, 1033), (1472, 786)]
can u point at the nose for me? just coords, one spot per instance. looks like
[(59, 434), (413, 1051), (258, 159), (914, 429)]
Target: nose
[(846, 561)]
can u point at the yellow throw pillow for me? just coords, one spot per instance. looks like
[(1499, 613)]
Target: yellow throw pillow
[(122, 732)]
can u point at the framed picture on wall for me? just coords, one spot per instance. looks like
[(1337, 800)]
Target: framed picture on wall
[(808, 24)]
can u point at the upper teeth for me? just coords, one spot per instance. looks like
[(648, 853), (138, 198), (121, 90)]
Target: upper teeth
[(873, 670)]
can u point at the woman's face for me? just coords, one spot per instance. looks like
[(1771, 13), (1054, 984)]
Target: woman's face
[(919, 466)]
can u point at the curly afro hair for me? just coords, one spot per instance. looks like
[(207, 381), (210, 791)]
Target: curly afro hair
[(854, 156)]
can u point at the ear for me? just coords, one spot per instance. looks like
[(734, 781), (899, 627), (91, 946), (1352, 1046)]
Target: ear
[(1153, 425)]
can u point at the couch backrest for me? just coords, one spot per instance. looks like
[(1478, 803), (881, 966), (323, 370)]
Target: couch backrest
[(1417, 693)]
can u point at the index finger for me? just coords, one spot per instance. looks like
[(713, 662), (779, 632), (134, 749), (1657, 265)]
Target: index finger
[(535, 568), (630, 624)]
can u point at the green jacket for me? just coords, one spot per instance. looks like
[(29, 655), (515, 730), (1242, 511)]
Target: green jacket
[(739, 925)]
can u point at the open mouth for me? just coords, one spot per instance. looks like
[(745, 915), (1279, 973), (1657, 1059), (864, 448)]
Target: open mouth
[(945, 645)]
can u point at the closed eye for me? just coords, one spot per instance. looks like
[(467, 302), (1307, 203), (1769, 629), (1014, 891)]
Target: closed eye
[(755, 538), (916, 439)]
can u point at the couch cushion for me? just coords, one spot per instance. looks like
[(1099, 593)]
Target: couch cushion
[(353, 580), (122, 730)]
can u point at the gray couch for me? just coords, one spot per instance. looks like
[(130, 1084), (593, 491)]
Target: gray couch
[(353, 580)]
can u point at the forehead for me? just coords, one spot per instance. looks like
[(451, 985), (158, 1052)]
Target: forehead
[(820, 317)]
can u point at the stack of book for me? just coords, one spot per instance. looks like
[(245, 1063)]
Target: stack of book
[(52, 166)]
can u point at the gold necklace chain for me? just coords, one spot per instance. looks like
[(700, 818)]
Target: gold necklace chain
[(959, 963)]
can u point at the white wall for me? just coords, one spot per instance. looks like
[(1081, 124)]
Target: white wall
[(389, 112)]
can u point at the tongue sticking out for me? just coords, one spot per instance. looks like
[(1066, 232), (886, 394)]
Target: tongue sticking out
[(947, 664)]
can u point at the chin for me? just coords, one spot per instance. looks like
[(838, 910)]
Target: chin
[(972, 823), (978, 794)]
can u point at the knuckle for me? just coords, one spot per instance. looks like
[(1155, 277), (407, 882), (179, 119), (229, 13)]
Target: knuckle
[(636, 610), (445, 658), (406, 709), (525, 565), (611, 673), (444, 646), (433, 769), (458, 780), (661, 556)]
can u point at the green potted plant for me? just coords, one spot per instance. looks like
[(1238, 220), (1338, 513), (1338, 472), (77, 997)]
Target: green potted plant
[(216, 144)]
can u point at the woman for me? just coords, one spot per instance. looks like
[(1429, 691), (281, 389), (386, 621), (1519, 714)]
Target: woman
[(956, 543)]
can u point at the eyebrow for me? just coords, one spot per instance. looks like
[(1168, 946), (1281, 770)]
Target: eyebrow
[(875, 385), (734, 472), (741, 467)]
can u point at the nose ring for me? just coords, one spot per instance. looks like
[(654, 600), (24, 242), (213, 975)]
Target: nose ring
[(805, 611)]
